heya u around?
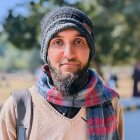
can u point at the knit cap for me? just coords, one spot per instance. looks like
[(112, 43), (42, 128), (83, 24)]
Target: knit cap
[(64, 18)]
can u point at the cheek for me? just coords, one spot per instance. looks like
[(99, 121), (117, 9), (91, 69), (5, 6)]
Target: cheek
[(84, 56), (54, 56)]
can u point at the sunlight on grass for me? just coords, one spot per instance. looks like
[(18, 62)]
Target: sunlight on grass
[(13, 82)]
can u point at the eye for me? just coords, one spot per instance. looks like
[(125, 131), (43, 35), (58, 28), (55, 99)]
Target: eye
[(78, 42), (58, 42)]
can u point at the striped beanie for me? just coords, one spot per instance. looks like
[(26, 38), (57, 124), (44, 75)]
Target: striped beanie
[(63, 18)]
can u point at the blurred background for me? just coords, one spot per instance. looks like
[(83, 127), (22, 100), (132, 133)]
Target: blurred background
[(117, 36)]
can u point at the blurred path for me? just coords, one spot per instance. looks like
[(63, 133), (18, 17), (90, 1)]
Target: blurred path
[(132, 125), (130, 104)]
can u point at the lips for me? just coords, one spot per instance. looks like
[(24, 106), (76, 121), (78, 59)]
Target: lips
[(70, 63)]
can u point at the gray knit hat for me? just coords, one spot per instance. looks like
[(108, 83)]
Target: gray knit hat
[(61, 19)]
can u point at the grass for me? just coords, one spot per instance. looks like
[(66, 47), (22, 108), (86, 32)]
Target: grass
[(13, 82)]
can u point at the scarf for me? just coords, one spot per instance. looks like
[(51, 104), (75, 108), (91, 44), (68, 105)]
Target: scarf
[(96, 96)]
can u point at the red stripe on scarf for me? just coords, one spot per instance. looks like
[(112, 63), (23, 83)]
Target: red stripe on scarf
[(55, 97), (102, 125), (91, 97), (101, 131)]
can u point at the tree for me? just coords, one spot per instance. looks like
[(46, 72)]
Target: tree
[(116, 22), (116, 30), (21, 31)]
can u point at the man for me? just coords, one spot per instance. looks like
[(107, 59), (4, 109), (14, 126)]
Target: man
[(136, 79), (70, 101)]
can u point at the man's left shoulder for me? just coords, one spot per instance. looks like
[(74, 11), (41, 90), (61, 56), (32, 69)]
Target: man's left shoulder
[(116, 105)]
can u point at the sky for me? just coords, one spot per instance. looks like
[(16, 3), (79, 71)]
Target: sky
[(6, 5)]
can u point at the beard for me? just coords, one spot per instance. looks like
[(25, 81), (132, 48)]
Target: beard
[(71, 83)]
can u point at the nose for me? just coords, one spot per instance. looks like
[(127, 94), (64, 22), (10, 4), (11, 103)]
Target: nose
[(69, 51)]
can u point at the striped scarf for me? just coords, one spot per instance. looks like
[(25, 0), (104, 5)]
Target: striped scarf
[(95, 96)]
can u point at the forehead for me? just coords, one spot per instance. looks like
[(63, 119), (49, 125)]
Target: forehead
[(69, 32)]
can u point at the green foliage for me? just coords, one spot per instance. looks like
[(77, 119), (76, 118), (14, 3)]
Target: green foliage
[(34, 59), (116, 27), (13, 59), (21, 32)]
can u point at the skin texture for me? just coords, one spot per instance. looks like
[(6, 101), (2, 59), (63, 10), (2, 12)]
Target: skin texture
[(68, 52), (68, 60)]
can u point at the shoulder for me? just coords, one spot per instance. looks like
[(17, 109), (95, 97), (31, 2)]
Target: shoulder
[(8, 108), (116, 105), (119, 115), (115, 102), (7, 118)]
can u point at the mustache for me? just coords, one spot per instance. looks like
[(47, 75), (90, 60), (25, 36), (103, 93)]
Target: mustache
[(64, 61)]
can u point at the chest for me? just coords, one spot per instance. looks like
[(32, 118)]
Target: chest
[(49, 124)]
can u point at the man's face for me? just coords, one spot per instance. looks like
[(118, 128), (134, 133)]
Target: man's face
[(68, 56), (68, 52)]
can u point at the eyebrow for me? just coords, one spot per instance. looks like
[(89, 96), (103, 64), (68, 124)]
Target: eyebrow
[(76, 35)]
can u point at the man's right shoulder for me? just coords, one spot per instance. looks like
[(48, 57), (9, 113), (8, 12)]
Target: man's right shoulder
[(7, 108), (7, 120)]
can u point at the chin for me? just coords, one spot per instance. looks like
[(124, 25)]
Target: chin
[(66, 73), (70, 71)]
